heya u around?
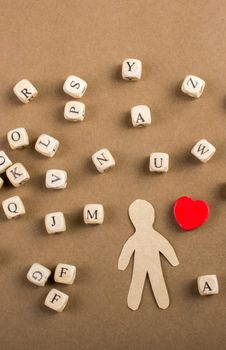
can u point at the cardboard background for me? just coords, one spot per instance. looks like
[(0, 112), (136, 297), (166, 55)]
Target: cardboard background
[(45, 41)]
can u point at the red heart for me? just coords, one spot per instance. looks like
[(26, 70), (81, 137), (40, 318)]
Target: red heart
[(190, 214)]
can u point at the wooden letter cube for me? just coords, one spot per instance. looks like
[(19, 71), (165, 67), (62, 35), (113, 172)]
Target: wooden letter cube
[(13, 207), (56, 178), (47, 145), (208, 285), (203, 150), (103, 160), (5, 162), (38, 274), (1, 182), (56, 300), (141, 116), (65, 273), (75, 86), (93, 214), (159, 162), (55, 222), (74, 111), (193, 86), (17, 174), (131, 69), (25, 91), (18, 138)]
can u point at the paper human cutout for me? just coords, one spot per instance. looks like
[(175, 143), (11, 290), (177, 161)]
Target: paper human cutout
[(146, 244)]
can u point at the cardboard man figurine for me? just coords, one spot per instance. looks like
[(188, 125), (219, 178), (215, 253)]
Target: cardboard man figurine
[(146, 244)]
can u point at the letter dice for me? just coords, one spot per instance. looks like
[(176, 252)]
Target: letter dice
[(203, 150), (131, 69), (141, 116), (55, 222), (17, 174), (75, 86), (18, 138), (93, 214), (47, 145), (13, 207), (103, 160), (38, 274), (56, 300), (74, 111), (56, 178), (5, 162), (25, 91), (65, 273), (208, 285), (193, 86), (159, 162)]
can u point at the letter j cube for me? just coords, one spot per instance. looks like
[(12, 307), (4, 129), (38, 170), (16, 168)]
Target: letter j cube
[(103, 160), (208, 285), (203, 150)]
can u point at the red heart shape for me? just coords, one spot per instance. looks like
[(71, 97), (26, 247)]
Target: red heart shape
[(190, 214)]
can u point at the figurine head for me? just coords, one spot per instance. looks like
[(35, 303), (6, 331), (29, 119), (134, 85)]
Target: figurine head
[(142, 213)]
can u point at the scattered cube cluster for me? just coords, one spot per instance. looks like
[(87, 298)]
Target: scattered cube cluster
[(102, 159), (64, 273)]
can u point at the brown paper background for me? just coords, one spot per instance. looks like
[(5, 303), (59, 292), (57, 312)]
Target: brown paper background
[(45, 41)]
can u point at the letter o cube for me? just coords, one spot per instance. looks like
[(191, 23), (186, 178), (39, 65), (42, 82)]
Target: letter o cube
[(56, 300), (18, 138), (93, 214), (38, 274), (5, 162), (208, 285), (65, 273)]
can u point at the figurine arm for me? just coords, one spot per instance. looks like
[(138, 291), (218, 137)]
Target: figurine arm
[(168, 251), (126, 253)]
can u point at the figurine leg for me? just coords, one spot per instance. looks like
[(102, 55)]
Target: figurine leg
[(136, 288)]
